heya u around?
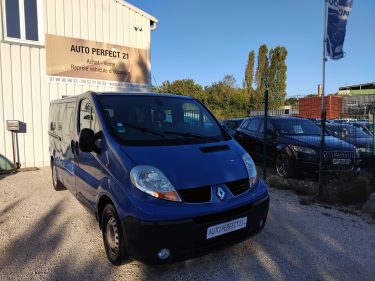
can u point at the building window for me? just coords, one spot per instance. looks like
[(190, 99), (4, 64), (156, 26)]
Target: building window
[(22, 20)]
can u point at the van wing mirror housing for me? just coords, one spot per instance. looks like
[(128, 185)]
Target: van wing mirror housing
[(87, 139)]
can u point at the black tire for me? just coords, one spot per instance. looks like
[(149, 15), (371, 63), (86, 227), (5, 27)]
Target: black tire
[(283, 165), (113, 236), (57, 185)]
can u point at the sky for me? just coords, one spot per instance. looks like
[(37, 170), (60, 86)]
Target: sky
[(205, 40)]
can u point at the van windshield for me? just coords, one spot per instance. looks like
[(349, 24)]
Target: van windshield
[(142, 120)]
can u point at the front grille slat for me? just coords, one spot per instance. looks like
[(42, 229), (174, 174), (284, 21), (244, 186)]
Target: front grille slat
[(238, 187), (330, 155), (196, 195), (217, 217), (203, 194)]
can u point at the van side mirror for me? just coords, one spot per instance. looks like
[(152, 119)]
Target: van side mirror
[(87, 139)]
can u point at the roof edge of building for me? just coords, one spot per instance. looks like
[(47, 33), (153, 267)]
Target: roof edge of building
[(139, 11)]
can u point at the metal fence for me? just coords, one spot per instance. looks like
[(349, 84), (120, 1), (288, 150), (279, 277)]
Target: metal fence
[(290, 138)]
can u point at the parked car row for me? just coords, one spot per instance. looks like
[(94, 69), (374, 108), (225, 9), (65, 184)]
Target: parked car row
[(293, 145)]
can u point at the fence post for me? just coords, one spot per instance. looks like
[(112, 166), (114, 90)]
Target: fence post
[(373, 148), (265, 133)]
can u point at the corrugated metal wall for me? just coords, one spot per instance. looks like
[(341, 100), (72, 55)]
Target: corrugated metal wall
[(24, 90)]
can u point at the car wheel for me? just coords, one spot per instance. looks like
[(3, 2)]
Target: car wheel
[(113, 235), (57, 184), (283, 165)]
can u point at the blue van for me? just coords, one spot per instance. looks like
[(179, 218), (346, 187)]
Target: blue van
[(163, 179)]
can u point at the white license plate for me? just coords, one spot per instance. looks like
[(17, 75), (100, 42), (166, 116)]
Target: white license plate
[(341, 161), (226, 227)]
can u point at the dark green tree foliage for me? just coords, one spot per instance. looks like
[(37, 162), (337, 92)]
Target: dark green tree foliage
[(277, 77), (226, 100), (291, 101), (256, 100), (249, 73), (186, 87), (223, 98)]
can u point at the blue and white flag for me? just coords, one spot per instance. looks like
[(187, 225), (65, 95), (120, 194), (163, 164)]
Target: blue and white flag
[(338, 12)]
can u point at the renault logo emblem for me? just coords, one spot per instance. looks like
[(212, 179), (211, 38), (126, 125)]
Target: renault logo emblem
[(220, 193)]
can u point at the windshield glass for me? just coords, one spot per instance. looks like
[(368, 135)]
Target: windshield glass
[(157, 120), (296, 127), (370, 127), (348, 131)]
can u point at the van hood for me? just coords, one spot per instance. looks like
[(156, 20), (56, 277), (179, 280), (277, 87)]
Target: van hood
[(191, 166), (331, 142)]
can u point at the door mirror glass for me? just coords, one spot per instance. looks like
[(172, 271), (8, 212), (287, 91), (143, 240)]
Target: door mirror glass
[(87, 140)]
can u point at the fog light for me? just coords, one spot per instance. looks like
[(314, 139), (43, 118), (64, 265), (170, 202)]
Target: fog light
[(164, 254)]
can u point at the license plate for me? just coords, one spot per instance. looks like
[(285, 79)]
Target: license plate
[(226, 227), (341, 161)]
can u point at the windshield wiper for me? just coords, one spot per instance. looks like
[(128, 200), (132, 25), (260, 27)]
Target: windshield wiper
[(190, 135), (144, 129)]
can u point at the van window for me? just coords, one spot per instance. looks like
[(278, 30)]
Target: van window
[(54, 115), (154, 120), (68, 125), (62, 107), (87, 116)]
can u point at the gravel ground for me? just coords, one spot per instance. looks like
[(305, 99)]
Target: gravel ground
[(48, 235)]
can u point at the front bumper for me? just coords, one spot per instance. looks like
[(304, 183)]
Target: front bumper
[(187, 238), (303, 166)]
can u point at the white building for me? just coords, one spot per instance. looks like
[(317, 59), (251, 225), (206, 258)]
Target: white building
[(53, 48)]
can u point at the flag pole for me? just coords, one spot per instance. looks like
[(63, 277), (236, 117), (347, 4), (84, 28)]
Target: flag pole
[(323, 114)]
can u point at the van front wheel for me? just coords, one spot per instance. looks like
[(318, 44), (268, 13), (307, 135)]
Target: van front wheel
[(113, 235)]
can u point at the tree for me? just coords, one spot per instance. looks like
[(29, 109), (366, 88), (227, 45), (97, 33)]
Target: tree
[(256, 100), (230, 81), (249, 73), (186, 87), (277, 76), (291, 101)]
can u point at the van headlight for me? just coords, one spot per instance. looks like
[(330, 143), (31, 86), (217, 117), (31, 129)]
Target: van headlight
[(152, 181), (251, 169)]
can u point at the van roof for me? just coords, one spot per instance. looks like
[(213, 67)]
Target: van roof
[(140, 94), (73, 98)]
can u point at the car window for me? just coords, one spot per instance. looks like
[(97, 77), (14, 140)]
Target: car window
[(269, 126), (296, 126), (347, 131), (245, 124), (254, 124)]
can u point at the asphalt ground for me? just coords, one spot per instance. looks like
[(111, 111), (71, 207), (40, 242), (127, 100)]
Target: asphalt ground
[(48, 235)]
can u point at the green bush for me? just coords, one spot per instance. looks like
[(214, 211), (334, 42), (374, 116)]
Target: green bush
[(347, 190)]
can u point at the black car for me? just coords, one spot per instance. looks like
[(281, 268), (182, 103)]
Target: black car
[(357, 137), (293, 146), (231, 125)]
